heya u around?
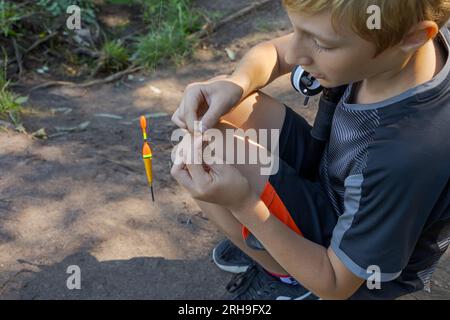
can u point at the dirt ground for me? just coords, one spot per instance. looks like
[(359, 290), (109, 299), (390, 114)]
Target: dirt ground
[(82, 198)]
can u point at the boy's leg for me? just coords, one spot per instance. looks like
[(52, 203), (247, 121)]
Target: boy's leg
[(231, 228), (258, 111)]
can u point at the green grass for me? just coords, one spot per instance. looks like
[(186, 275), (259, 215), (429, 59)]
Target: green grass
[(9, 101), (114, 55), (165, 44), (170, 23)]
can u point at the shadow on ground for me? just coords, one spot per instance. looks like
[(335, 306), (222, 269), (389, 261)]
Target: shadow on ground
[(136, 278)]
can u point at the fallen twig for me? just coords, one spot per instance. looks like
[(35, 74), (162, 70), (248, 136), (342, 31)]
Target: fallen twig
[(108, 79), (40, 41), (211, 27), (18, 56), (87, 52)]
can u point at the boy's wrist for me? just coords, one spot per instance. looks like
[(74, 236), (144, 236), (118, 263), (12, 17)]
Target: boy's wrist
[(247, 208), (243, 81)]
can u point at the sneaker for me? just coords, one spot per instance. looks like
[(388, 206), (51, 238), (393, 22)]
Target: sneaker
[(230, 258), (257, 284)]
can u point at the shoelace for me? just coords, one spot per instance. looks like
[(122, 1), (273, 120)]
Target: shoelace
[(242, 281), (244, 286)]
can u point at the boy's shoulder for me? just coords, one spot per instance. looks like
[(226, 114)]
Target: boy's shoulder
[(409, 131), (412, 142)]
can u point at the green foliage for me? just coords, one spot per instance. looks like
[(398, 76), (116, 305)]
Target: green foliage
[(10, 15), (170, 25)]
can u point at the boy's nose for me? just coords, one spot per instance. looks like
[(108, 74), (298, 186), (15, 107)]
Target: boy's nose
[(298, 59), (297, 54), (305, 61)]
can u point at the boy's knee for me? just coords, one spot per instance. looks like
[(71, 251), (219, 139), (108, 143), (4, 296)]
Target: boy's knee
[(222, 218)]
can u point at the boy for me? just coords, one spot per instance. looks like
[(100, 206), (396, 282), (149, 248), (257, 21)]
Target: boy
[(379, 207)]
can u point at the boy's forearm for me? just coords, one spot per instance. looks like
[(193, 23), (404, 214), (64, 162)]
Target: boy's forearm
[(257, 68), (305, 260)]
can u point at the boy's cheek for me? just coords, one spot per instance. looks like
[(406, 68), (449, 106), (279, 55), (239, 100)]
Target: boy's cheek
[(345, 73), (336, 78), (349, 65)]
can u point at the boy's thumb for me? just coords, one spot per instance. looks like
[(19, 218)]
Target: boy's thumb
[(210, 119)]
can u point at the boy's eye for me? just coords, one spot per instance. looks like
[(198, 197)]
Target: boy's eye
[(319, 47)]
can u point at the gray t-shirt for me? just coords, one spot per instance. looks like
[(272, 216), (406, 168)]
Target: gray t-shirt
[(386, 171)]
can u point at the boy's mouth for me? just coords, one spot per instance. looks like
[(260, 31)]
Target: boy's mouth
[(317, 75)]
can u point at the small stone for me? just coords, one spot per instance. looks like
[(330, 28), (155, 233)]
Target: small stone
[(230, 54), (40, 134), (155, 89)]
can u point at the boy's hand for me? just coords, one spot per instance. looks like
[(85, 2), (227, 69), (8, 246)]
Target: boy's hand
[(221, 184), (207, 101)]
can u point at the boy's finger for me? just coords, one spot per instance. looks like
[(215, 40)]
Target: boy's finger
[(196, 169), (199, 176), (210, 118), (179, 172), (191, 105), (176, 118)]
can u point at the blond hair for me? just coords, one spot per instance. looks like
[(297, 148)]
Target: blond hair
[(397, 16)]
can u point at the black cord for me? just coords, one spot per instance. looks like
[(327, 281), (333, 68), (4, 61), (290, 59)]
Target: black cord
[(320, 132)]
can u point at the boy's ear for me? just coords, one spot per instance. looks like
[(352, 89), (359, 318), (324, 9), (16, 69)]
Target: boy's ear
[(419, 35)]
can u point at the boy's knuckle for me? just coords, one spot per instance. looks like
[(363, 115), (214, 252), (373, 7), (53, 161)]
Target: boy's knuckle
[(191, 87)]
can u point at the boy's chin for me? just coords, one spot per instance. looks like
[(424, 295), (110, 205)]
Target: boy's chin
[(326, 83), (330, 84)]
